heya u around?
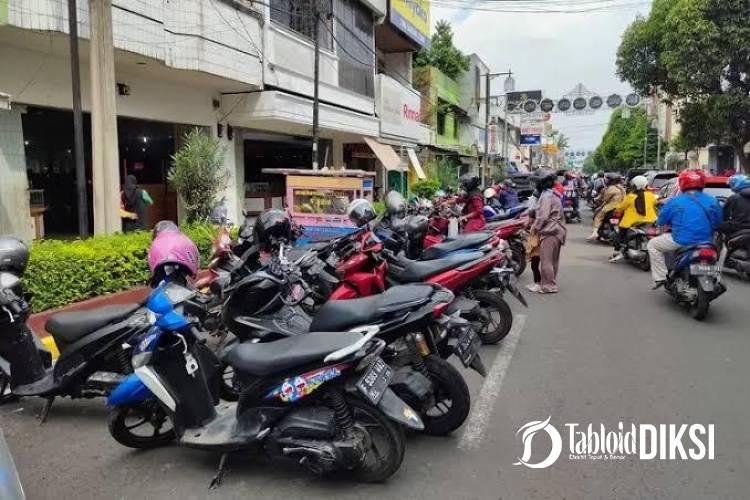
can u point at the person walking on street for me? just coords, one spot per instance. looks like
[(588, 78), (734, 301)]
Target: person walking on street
[(638, 207), (133, 202), (693, 216), (612, 196), (549, 223)]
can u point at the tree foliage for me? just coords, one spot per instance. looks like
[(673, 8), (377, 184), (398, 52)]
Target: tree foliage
[(442, 54), (198, 174), (697, 53), (622, 145)]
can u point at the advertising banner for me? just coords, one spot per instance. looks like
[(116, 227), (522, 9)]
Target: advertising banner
[(412, 18), (398, 109), (516, 100), (532, 127)]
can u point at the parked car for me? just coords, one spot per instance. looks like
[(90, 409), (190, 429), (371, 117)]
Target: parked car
[(715, 185), (658, 178)]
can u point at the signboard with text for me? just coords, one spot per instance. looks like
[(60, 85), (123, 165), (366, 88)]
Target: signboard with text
[(412, 18), (398, 109), (532, 127)]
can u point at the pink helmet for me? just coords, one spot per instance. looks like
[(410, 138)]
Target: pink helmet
[(172, 248)]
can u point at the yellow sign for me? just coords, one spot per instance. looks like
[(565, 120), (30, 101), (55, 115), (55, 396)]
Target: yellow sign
[(551, 149), (412, 17)]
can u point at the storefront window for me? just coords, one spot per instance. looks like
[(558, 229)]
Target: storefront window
[(322, 201)]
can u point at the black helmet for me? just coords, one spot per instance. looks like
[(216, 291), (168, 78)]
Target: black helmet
[(361, 212), (612, 178), (14, 255), (469, 182), (545, 179), (273, 226), (395, 203), (164, 225)]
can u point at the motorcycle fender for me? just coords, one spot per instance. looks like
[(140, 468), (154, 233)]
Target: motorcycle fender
[(131, 391), (707, 283), (478, 365), (514, 291), (398, 411)]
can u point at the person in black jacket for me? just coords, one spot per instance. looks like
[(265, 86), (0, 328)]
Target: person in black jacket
[(737, 207)]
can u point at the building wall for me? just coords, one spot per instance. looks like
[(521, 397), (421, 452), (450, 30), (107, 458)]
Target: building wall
[(203, 35), (15, 218)]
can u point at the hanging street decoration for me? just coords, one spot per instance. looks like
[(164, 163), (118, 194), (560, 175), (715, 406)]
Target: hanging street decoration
[(579, 101)]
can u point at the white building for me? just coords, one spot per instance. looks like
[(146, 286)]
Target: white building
[(243, 70)]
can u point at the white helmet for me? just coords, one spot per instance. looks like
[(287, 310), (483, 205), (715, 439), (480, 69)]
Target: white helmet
[(639, 182), (489, 193)]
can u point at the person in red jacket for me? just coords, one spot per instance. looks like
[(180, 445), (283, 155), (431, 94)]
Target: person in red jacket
[(473, 211)]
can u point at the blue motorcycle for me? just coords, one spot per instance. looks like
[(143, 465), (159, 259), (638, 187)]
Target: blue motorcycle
[(320, 398), (694, 279)]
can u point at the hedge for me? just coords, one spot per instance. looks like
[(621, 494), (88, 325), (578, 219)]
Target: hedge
[(65, 272)]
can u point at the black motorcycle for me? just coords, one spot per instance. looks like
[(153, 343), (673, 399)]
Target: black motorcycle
[(93, 359), (694, 278), (608, 229), (738, 253), (266, 307), (634, 248)]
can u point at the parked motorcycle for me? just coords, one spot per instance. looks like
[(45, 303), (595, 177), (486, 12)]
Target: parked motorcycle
[(92, 358), (320, 398), (694, 278)]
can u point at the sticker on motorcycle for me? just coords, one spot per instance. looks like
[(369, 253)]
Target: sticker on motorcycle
[(297, 387)]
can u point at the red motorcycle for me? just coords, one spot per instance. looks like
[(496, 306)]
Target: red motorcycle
[(477, 277)]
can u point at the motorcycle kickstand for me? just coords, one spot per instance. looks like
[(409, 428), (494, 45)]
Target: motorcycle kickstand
[(216, 480), (45, 409)]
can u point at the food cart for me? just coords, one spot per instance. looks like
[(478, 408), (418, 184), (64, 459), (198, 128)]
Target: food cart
[(318, 199)]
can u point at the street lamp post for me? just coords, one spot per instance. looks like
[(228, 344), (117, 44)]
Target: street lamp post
[(509, 86)]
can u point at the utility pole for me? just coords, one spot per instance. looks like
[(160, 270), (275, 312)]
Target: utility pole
[(105, 157), (485, 160), (78, 153), (316, 84)]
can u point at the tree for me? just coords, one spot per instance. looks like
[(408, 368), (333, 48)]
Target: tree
[(198, 173), (442, 54), (696, 52), (623, 141), (562, 141)]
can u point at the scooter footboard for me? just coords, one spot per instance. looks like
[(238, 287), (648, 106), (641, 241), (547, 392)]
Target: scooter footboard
[(26, 356)]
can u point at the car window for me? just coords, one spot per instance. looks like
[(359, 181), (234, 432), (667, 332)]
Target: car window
[(659, 182), (720, 192)]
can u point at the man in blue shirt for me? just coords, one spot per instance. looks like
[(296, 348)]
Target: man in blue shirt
[(693, 215)]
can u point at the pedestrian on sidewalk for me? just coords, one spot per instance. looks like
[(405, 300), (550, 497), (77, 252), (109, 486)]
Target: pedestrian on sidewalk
[(133, 202), (549, 224)]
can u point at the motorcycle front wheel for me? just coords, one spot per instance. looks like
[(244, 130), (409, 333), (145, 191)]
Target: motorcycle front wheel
[(386, 451), (519, 257), (142, 427)]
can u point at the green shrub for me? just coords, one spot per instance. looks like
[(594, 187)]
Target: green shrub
[(65, 272), (426, 188)]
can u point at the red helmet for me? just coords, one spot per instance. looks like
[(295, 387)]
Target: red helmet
[(691, 179)]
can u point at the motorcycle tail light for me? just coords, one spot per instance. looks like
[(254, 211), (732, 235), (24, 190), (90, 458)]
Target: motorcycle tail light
[(707, 254)]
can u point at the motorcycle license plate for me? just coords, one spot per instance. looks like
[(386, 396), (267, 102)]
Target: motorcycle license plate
[(375, 380), (704, 269), (467, 346)]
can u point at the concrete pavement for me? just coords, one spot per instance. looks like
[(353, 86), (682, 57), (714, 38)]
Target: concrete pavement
[(604, 350)]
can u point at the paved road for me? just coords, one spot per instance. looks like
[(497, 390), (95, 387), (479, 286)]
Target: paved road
[(604, 350)]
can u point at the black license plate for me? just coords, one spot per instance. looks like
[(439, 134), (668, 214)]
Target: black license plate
[(467, 346), (375, 380)]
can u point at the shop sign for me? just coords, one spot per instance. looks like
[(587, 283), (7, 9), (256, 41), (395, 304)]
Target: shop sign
[(398, 109), (412, 18)]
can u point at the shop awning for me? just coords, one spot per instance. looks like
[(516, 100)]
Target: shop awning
[(385, 154), (415, 163)]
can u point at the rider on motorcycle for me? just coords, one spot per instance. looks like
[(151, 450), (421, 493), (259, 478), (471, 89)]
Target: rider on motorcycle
[(693, 216), (639, 206), (611, 196), (508, 196), (473, 211), (737, 206)]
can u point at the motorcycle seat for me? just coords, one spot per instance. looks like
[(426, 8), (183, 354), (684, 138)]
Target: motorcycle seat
[(262, 359), (500, 224), (415, 271), (71, 326), (339, 315), (740, 238), (460, 242)]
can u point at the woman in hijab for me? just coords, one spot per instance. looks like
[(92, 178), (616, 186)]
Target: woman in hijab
[(549, 224), (133, 201)]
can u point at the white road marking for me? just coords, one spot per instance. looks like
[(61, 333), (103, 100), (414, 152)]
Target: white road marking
[(476, 426)]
